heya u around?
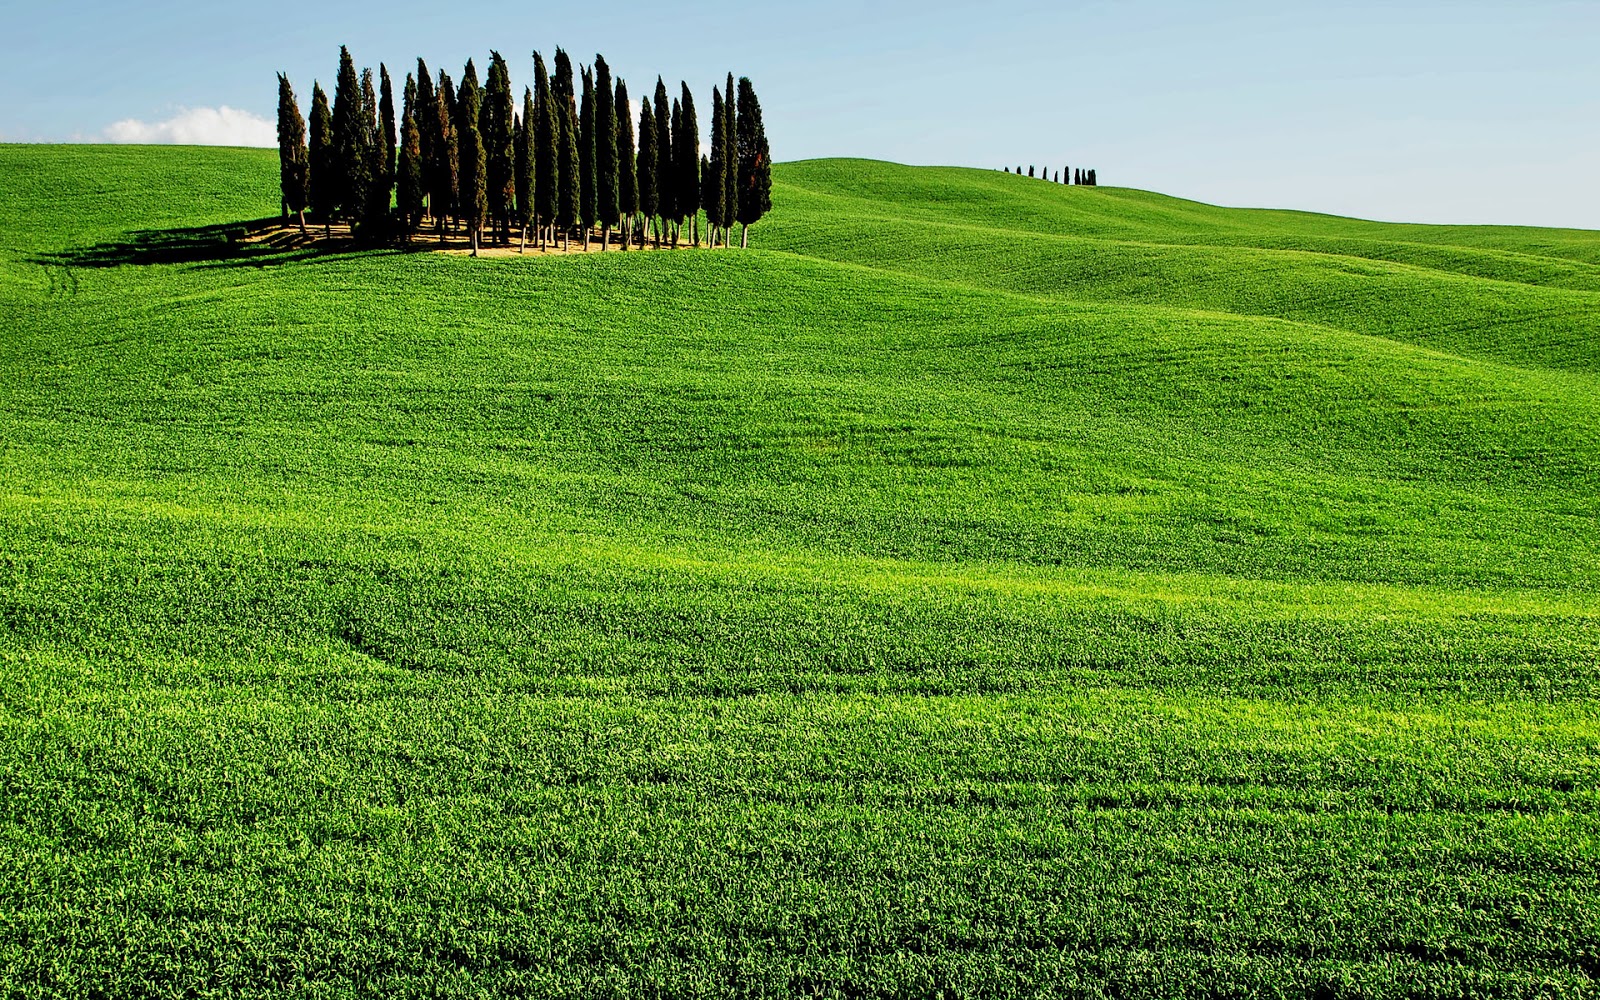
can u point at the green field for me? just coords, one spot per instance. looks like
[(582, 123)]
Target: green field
[(983, 587)]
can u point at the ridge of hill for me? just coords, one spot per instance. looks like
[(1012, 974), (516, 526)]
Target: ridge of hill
[(981, 585)]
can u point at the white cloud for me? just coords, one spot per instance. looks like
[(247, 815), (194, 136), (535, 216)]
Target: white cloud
[(222, 126)]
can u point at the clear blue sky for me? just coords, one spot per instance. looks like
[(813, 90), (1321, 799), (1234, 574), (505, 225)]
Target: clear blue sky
[(1421, 111)]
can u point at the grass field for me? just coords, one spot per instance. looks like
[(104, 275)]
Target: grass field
[(982, 588)]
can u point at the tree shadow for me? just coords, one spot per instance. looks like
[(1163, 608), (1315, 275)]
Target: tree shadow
[(256, 243)]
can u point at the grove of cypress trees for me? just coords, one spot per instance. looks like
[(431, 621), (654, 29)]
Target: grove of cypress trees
[(755, 162), (422, 109), (474, 167), (604, 129), (586, 157), (627, 166), (495, 123), (666, 184), (324, 177), (687, 159), (547, 143), (714, 187), (386, 118), (294, 158), (445, 171), (409, 183), (349, 139), (730, 157), (526, 155), (649, 202)]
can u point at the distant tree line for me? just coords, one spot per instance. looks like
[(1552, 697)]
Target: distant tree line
[(1079, 176), (465, 159)]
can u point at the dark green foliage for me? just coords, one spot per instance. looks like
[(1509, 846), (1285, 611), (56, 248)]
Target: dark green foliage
[(373, 223), (686, 135), (1094, 178), (445, 172), (565, 97), (678, 169), (409, 183), (649, 172), (730, 159), (422, 106), (627, 162), (473, 184), (755, 159), (353, 165), (294, 158), (604, 126), (388, 122), (547, 143), (586, 156), (325, 180), (495, 123), (666, 177), (714, 187), (527, 156)]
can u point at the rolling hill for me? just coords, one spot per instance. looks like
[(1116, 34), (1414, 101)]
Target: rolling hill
[(981, 586)]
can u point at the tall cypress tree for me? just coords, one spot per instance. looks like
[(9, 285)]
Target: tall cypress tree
[(687, 158), (666, 182), (474, 167), (495, 124), (627, 166), (324, 182), (349, 139), (379, 179), (730, 157), (586, 157), (649, 172), (679, 165), (527, 153), (391, 134), (567, 111), (755, 162), (294, 158), (410, 188), (422, 109), (605, 151), (445, 171), (547, 167), (715, 181)]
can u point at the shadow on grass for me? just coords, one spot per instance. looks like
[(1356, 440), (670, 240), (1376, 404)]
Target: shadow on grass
[(257, 243)]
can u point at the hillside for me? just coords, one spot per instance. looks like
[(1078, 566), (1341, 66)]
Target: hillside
[(982, 585)]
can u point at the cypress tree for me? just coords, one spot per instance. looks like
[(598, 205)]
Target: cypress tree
[(678, 164), (379, 180), (688, 159), (547, 143), (446, 168), (349, 140), (755, 162), (627, 166), (294, 158), (422, 111), (605, 150), (473, 184), (666, 184), (386, 118), (324, 185), (408, 177), (586, 157), (496, 124), (649, 172), (567, 111), (1008, 170), (1058, 177), (714, 187), (1094, 177), (526, 155), (730, 157)]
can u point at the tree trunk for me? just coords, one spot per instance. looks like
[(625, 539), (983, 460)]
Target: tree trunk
[(622, 233), (302, 214), (524, 247), (744, 237), (474, 237), (605, 238)]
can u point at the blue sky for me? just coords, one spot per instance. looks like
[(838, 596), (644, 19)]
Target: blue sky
[(1417, 111)]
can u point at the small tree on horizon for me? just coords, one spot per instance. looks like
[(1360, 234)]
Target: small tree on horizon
[(755, 162), (294, 157)]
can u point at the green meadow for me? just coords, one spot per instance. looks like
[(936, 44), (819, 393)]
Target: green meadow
[(980, 587)]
